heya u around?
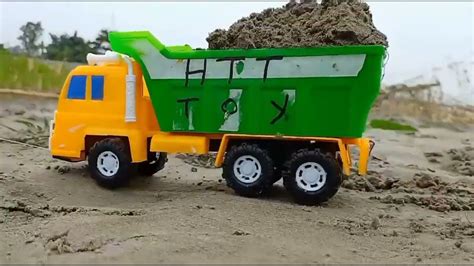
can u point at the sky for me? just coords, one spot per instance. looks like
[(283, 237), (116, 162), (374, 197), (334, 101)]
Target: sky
[(421, 35)]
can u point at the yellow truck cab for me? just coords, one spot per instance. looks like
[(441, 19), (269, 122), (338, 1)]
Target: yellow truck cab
[(97, 108)]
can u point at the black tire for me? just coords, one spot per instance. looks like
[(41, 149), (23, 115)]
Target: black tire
[(108, 147), (264, 180), (327, 188), (153, 164)]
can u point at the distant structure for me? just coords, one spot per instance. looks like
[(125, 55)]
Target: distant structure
[(450, 84), (15, 49)]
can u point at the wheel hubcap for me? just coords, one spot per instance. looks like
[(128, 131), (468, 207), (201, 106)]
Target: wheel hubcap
[(247, 169), (108, 163), (311, 176)]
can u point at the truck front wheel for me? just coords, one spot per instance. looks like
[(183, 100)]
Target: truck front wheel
[(110, 163), (248, 170), (312, 177)]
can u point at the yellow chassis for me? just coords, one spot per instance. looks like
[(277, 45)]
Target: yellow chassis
[(364, 145), (199, 144)]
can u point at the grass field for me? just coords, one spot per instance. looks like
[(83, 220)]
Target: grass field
[(390, 125), (22, 72)]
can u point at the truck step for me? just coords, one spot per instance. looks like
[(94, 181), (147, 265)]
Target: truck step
[(174, 143)]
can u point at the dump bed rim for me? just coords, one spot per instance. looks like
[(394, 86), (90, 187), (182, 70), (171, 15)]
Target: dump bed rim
[(117, 37)]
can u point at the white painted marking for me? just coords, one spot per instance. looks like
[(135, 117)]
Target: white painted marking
[(232, 122), (161, 67), (190, 118), (291, 96)]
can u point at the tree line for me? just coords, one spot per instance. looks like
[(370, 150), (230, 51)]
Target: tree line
[(64, 47)]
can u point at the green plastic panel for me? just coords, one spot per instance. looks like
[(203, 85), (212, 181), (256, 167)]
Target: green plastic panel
[(321, 91)]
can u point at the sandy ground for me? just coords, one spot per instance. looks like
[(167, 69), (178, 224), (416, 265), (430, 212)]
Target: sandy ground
[(415, 206)]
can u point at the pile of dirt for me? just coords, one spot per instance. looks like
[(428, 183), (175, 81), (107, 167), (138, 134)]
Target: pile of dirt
[(45, 210), (30, 130), (441, 203), (457, 229), (458, 161), (60, 244), (373, 182), (424, 189), (305, 24), (462, 161), (201, 160)]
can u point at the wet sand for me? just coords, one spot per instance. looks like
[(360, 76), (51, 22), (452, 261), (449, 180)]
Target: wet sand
[(415, 206)]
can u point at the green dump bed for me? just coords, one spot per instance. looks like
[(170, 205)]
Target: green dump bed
[(323, 91)]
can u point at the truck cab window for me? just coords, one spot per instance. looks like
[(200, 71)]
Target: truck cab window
[(77, 87), (97, 87)]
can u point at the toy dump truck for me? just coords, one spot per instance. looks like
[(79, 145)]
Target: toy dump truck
[(268, 113)]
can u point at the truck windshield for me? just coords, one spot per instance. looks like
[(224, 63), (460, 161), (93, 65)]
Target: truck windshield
[(77, 87)]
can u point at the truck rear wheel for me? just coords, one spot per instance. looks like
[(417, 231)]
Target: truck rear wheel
[(156, 161), (248, 170), (312, 177), (110, 163)]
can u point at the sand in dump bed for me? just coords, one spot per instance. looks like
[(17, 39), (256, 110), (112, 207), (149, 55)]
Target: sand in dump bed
[(305, 24)]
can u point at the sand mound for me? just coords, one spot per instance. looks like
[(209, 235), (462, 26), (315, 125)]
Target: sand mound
[(461, 161), (305, 24), (458, 161), (424, 189), (199, 160)]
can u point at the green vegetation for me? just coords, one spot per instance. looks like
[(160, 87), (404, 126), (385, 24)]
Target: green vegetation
[(30, 35), (68, 48), (23, 72), (390, 125), (64, 47), (75, 48), (29, 66)]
